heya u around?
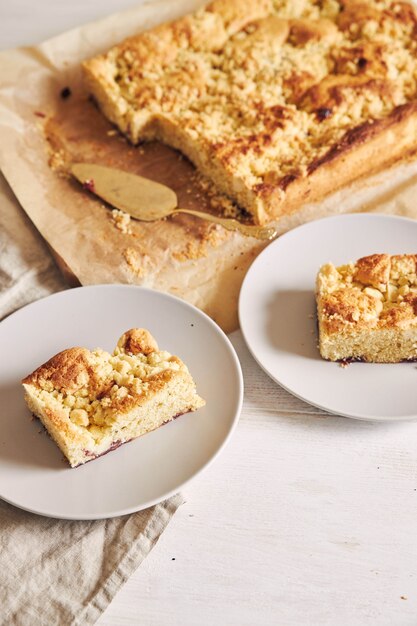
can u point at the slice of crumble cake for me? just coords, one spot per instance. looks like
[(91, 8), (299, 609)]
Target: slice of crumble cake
[(91, 402), (367, 311)]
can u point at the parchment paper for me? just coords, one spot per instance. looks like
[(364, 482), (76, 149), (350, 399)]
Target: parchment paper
[(42, 130)]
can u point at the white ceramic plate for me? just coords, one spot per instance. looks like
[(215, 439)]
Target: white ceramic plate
[(34, 476), (277, 317)]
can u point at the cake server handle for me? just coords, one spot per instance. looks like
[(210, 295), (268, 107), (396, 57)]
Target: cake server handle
[(260, 232)]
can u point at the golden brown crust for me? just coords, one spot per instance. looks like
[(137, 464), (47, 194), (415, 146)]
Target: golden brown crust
[(347, 308), (278, 103), (71, 370), (93, 375), (137, 340), (303, 31), (377, 292), (402, 315), (236, 15), (373, 269), (361, 151)]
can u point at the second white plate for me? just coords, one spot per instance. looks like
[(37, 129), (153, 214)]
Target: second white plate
[(278, 320)]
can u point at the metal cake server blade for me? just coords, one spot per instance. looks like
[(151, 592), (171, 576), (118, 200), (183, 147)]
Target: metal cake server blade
[(147, 200)]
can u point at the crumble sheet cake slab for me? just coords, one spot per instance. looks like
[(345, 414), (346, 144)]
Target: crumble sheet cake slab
[(276, 102), (181, 255)]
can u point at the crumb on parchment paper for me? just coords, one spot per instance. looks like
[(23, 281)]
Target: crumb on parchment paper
[(133, 260), (191, 251), (122, 221), (199, 248), (138, 262), (58, 162)]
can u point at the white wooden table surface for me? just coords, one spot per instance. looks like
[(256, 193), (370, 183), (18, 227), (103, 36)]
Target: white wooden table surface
[(305, 519)]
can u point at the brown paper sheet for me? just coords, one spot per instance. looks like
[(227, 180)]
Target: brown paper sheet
[(187, 257)]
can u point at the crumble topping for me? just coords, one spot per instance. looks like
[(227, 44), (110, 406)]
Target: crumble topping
[(378, 290), (122, 221), (91, 385)]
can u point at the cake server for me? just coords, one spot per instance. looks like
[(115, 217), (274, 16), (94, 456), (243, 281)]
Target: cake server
[(147, 200)]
